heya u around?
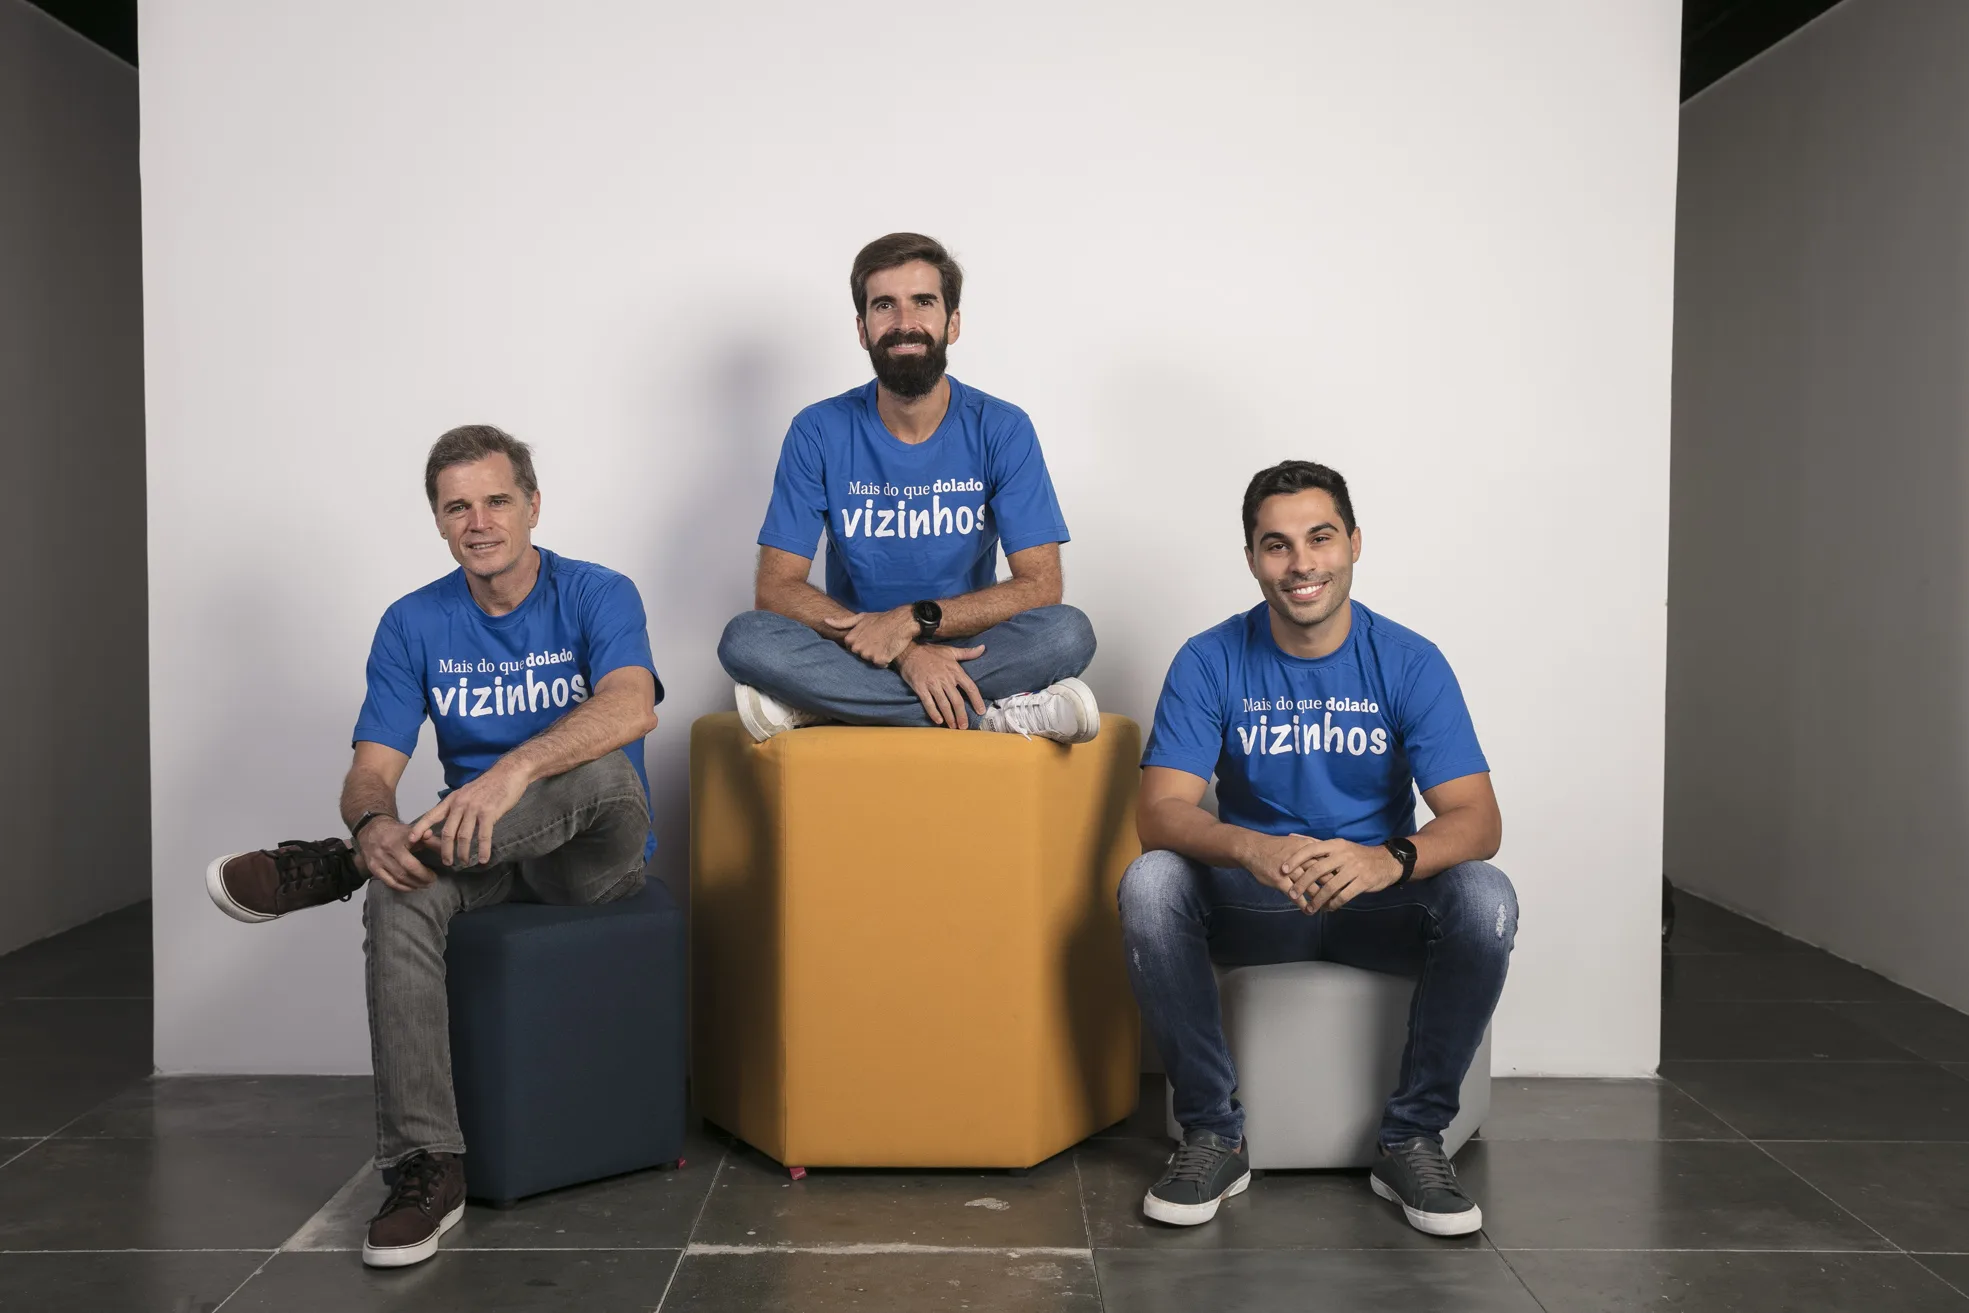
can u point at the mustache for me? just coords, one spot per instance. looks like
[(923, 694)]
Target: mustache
[(899, 336)]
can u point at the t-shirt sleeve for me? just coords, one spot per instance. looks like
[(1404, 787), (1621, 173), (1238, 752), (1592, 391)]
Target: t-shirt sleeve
[(616, 628), (393, 709), (1435, 724), (797, 514), (1022, 500), (1189, 717)]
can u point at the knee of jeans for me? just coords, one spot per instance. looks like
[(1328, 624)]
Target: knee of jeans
[(1483, 905), (738, 645), (386, 911), (614, 776), (1074, 633), (1155, 887)]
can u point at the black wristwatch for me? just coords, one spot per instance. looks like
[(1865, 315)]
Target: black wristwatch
[(362, 820), (1404, 852), (929, 619)]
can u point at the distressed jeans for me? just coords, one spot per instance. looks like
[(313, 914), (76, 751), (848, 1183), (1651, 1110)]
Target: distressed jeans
[(571, 840), (801, 668), (1451, 933)]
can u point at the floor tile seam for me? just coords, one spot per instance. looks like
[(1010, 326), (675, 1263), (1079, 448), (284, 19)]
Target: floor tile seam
[(447, 1247), (1911, 1060), (1916, 1259), (1778, 1139), (248, 1249), (231, 1137), (1597, 1249), (1087, 1230), (52, 1134), (1813, 1186), (724, 1156), (1785, 1167), (1505, 1259), (1771, 998), (1832, 1010), (248, 1281), (885, 1248)]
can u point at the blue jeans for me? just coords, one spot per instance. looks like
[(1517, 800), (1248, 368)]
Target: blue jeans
[(802, 669), (1452, 933)]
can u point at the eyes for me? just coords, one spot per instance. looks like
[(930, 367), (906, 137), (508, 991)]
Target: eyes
[(1276, 546), (498, 501), (922, 301)]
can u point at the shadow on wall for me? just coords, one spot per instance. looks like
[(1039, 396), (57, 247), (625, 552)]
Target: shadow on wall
[(738, 390)]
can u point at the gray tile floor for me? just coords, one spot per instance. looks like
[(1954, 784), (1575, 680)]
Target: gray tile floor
[(1807, 1147)]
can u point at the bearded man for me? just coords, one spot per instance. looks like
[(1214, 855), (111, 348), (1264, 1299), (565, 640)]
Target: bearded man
[(915, 481)]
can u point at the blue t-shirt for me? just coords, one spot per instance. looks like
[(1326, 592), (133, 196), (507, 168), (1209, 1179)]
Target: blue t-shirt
[(489, 683), (908, 523), (1328, 748)]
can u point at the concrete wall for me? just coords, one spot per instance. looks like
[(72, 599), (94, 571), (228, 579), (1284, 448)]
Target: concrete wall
[(1428, 242), (74, 771), (1818, 710)]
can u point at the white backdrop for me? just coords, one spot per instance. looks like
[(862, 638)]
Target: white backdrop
[(1427, 242)]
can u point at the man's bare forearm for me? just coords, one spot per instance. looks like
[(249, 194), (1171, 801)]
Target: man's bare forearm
[(796, 599), (611, 719), (1468, 834), (367, 791), (1183, 827), (973, 613)]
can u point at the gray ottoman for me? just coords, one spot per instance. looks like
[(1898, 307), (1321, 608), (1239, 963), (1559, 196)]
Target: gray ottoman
[(1318, 1047)]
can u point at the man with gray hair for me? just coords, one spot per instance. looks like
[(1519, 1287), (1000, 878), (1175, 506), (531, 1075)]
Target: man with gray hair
[(535, 671)]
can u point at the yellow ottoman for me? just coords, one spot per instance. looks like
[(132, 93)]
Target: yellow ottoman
[(905, 950)]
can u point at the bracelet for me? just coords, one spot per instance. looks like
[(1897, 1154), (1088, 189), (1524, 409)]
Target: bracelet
[(363, 820)]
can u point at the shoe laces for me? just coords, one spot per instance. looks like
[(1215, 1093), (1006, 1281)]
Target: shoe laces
[(1193, 1162), (1023, 713), (1430, 1168), (305, 865), (417, 1184)]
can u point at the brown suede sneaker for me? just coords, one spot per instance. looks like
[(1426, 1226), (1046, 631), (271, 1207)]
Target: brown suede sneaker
[(427, 1200), (260, 886)]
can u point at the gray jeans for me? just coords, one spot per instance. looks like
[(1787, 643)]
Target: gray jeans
[(571, 840)]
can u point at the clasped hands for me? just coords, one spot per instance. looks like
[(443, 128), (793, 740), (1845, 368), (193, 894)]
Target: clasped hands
[(457, 832), (933, 671), (1321, 874)]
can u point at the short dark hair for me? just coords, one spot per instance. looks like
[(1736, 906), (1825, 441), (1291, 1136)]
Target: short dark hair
[(471, 442), (1288, 477), (900, 249)]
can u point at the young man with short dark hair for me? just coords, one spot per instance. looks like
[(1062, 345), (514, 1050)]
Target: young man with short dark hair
[(1319, 719), (914, 481), (535, 671)]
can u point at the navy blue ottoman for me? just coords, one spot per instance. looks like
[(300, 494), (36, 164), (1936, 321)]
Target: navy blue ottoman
[(567, 1041)]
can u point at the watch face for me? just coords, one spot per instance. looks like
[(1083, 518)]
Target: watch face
[(929, 613)]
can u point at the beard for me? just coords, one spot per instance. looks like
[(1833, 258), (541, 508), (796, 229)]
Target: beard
[(909, 377)]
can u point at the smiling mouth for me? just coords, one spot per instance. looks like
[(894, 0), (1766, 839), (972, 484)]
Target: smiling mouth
[(481, 547), (1306, 592)]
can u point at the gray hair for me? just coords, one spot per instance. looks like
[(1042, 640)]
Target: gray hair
[(474, 442)]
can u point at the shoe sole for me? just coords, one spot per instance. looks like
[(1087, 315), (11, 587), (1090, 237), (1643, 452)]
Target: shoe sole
[(1086, 711), (215, 885), (751, 714), (1161, 1210), (405, 1255), (1440, 1224)]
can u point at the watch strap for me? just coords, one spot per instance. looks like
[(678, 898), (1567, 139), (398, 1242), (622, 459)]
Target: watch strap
[(363, 820), (1404, 852)]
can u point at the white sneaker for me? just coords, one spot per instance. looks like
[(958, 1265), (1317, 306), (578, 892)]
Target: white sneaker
[(1064, 712), (765, 715)]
